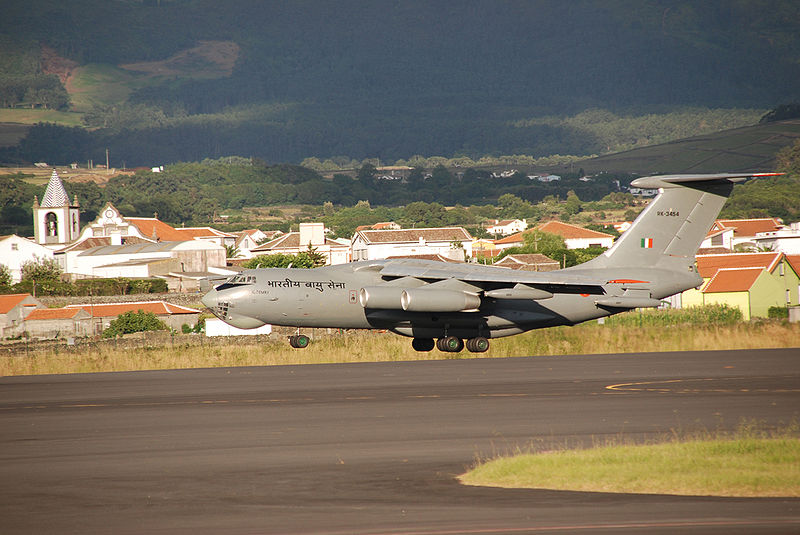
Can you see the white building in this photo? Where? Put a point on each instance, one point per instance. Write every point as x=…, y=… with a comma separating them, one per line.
x=786, y=240
x=506, y=227
x=16, y=250
x=450, y=242
x=310, y=235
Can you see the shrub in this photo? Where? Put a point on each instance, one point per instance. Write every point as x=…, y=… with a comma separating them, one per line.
x=778, y=312
x=134, y=322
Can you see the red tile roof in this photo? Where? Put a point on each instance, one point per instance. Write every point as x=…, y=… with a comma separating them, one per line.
x=749, y=227
x=163, y=232
x=160, y=308
x=733, y=280
x=567, y=231
x=794, y=261
x=53, y=313
x=10, y=301
x=514, y=238
x=708, y=265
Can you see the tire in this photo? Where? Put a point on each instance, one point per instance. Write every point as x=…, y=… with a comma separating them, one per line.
x=422, y=344
x=479, y=344
x=450, y=344
x=301, y=341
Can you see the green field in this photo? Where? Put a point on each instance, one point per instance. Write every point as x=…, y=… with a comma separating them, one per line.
x=747, y=464
x=29, y=116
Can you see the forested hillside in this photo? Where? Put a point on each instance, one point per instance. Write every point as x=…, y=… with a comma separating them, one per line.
x=388, y=80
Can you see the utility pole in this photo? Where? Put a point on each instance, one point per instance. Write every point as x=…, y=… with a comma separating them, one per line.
x=108, y=169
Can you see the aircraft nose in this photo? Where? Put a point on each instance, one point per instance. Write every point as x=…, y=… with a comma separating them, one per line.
x=210, y=299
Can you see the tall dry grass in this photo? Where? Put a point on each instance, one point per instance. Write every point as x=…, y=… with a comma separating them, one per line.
x=589, y=338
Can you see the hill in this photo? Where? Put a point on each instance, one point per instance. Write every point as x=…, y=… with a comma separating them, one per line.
x=284, y=81
x=750, y=148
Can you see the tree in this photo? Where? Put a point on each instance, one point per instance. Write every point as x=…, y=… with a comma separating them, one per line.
x=134, y=322
x=5, y=277
x=231, y=251
x=41, y=270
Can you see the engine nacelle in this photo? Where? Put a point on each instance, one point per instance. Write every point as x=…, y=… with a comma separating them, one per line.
x=421, y=300
x=382, y=297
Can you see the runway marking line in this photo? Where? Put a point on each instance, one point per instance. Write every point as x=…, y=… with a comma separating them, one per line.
x=601, y=527
x=631, y=387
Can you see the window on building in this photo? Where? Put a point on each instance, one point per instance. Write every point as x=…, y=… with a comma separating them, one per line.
x=15, y=247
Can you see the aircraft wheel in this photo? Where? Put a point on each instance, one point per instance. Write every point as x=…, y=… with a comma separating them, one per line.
x=478, y=344
x=299, y=341
x=450, y=344
x=422, y=344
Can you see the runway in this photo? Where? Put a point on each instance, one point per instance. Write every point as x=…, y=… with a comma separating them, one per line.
x=371, y=448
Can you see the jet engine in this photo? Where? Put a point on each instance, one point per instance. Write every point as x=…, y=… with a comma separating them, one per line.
x=421, y=300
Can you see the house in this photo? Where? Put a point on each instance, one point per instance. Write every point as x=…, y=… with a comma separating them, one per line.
x=384, y=225
x=744, y=230
x=16, y=250
x=785, y=240
x=506, y=227
x=515, y=240
x=720, y=239
x=485, y=248
x=310, y=235
x=753, y=282
x=450, y=242
x=103, y=314
x=529, y=262
x=58, y=323
x=577, y=237
x=14, y=308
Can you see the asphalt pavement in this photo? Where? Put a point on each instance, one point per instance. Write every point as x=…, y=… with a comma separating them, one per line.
x=372, y=448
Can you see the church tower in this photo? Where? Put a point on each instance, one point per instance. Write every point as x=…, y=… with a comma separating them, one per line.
x=56, y=222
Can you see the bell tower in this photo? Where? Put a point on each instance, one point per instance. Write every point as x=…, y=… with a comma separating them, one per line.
x=56, y=222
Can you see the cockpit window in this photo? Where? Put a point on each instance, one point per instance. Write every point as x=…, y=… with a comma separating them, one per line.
x=242, y=279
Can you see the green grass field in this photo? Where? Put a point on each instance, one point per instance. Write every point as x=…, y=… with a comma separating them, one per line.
x=27, y=116
x=748, y=463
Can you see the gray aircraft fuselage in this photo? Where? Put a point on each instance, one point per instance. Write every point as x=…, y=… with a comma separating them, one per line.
x=427, y=300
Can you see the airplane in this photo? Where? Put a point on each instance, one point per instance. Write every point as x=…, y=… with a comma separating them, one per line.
x=441, y=304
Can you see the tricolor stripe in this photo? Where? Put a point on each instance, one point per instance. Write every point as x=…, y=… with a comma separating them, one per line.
x=647, y=243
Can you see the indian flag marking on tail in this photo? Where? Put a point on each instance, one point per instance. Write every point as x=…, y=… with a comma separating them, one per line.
x=647, y=243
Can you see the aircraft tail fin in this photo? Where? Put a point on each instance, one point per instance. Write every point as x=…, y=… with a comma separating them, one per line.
x=672, y=227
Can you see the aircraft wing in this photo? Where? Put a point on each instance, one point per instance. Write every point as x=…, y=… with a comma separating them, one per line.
x=432, y=271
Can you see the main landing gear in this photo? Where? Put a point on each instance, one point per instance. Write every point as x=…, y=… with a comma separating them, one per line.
x=451, y=344
x=299, y=341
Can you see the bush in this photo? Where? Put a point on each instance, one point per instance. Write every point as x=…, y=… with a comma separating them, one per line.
x=134, y=322
x=778, y=312
x=704, y=315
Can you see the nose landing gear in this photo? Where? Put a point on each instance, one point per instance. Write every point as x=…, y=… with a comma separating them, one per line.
x=299, y=341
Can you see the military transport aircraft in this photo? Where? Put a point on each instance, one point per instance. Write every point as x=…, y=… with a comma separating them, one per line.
x=450, y=303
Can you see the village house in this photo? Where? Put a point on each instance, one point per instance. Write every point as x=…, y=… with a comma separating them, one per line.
x=450, y=242
x=785, y=240
x=16, y=250
x=574, y=237
x=102, y=314
x=14, y=308
x=506, y=227
x=752, y=282
x=739, y=233
x=58, y=323
x=310, y=235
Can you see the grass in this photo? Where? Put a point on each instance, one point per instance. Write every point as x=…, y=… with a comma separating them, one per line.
x=38, y=115
x=589, y=338
x=747, y=463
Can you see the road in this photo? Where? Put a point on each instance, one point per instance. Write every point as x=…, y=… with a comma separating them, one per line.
x=371, y=448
